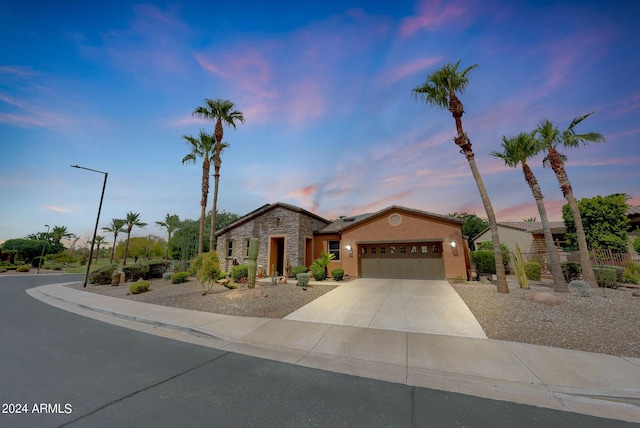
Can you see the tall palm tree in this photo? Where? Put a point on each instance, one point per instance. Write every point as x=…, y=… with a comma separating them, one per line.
x=60, y=232
x=201, y=148
x=171, y=223
x=440, y=90
x=116, y=226
x=132, y=220
x=518, y=150
x=222, y=111
x=99, y=240
x=550, y=138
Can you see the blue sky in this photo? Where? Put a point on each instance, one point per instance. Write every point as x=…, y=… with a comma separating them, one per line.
x=325, y=87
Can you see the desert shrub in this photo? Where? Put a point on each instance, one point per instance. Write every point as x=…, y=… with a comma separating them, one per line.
x=102, y=275
x=605, y=277
x=156, y=268
x=582, y=287
x=631, y=273
x=37, y=261
x=488, y=246
x=533, y=271
x=209, y=271
x=337, y=274
x=167, y=276
x=139, y=286
x=23, y=268
x=571, y=270
x=319, y=273
x=238, y=272
x=222, y=275
x=618, y=270
x=303, y=279
x=135, y=272
x=484, y=261
x=63, y=257
x=195, y=265
x=636, y=244
x=299, y=269
x=179, y=277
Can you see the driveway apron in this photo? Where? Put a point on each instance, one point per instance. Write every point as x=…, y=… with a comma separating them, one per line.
x=418, y=306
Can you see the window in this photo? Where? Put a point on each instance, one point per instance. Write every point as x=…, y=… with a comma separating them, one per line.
x=247, y=244
x=383, y=250
x=373, y=250
x=403, y=250
x=414, y=250
x=425, y=249
x=230, y=249
x=364, y=250
x=334, y=248
x=392, y=250
x=436, y=249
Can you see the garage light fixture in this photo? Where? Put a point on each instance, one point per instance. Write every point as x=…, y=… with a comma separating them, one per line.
x=348, y=247
x=453, y=243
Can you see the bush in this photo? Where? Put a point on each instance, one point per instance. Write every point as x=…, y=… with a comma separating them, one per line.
x=239, y=272
x=484, y=261
x=156, y=268
x=319, y=274
x=582, y=287
x=533, y=271
x=631, y=273
x=209, y=271
x=488, y=246
x=102, y=275
x=299, y=269
x=23, y=268
x=222, y=275
x=337, y=274
x=63, y=257
x=139, y=286
x=179, y=277
x=303, y=279
x=571, y=270
x=605, y=277
x=636, y=244
x=37, y=261
x=167, y=276
x=617, y=269
x=135, y=272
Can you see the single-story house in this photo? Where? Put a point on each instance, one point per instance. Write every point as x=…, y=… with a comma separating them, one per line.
x=529, y=235
x=396, y=242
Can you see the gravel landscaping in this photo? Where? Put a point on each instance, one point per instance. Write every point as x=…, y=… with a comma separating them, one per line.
x=608, y=325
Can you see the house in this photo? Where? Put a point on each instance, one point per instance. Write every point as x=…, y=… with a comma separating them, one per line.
x=528, y=235
x=396, y=242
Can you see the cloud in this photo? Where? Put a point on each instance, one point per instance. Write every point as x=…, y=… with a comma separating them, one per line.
x=627, y=105
x=17, y=71
x=56, y=209
x=432, y=15
x=407, y=69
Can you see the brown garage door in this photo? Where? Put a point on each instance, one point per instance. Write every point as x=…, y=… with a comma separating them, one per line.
x=421, y=260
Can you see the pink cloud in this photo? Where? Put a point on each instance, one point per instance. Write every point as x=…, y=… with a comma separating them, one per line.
x=628, y=104
x=20, y=120
x=408, y=69
x=432, y=14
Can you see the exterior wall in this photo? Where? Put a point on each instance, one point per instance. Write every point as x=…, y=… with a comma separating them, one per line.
x=321, y=243
x=413, y=227
x=510, y=237
x=278, y=222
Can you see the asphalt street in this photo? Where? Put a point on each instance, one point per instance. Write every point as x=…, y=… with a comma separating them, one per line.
x=61, y=369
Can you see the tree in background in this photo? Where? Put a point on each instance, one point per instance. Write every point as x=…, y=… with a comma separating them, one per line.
x=58, y=233
x=223, y=113
x=116, y=226
x=550, y=138
x=25, y=250
x=99, y=240
x=171, y=223
x=201, y=148
x=132, y=220
x=440, y=90
x=141, y=247
x=472, y=226
x=184, y=242
x=604, y=220
x=518, y=150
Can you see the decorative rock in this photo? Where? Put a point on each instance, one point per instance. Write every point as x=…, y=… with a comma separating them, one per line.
x=223, y=281
x=546, y=299
x=636, y=294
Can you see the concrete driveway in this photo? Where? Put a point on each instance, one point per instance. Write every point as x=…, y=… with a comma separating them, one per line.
x=419, y=306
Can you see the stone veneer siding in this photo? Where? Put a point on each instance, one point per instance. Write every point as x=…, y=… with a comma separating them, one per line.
x=278, y=222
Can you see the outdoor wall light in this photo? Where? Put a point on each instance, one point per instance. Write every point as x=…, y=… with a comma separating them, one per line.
x=453, y=243
x=348, y=247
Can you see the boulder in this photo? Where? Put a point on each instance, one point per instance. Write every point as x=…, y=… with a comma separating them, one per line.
x=546, y=299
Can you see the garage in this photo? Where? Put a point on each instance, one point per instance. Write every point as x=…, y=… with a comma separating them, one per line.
x=401, y=260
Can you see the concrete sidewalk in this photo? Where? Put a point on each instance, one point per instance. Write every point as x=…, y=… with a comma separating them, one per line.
x=576, y=381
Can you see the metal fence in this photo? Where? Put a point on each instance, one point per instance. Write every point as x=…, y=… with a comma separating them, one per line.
x=598, y=258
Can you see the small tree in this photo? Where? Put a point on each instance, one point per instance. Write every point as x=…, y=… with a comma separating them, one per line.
x=207, y=267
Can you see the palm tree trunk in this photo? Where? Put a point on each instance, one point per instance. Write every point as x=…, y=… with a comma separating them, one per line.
x=501, y=283
x=557, y=164
x=203, y=202
x=559, y=284
x=214, y=210
x=113, y=250
x=126, y=249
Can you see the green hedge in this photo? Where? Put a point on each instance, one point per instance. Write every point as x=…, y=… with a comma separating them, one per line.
x=102, y=275
x=533, y=271
x=319, y=274
x=299, y=269
x=135, y=272
x=484, y=261
x=571, y=271
x=239, y=272
x=156, y=268
x=605, y=277
x=337, y=274
x=617, y=269
x=179, y=277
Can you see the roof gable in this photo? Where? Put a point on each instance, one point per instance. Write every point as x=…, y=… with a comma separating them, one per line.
x=266, y=209
x=346, y=223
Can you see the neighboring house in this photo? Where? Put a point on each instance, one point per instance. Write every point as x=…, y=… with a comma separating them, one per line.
x=634, y=218
x=395, y=242
x=527, y=234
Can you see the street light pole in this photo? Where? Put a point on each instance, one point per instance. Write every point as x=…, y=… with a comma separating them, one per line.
x=95, y=231
x=44, y=244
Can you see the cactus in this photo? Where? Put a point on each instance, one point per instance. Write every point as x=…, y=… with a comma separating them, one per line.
x=253, y=262
x=521, y=275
